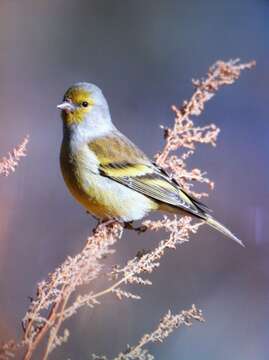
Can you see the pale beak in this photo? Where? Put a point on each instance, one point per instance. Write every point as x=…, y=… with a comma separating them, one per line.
x=66, y=106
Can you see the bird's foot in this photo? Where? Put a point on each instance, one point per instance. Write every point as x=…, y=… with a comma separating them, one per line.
x=139, y=229
x=103, y=223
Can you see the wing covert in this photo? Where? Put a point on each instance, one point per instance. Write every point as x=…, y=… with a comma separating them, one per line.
x=120, y=160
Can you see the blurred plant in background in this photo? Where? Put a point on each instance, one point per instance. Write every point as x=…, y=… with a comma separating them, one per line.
x=9, y=164
x=67, y=289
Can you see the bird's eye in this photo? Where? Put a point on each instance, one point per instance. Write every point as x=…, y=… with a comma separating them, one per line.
x=85, y=104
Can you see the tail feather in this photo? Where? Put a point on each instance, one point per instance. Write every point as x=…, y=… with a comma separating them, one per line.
x=221, y=228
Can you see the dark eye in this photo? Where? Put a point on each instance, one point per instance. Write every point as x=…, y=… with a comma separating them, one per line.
x=85, y=104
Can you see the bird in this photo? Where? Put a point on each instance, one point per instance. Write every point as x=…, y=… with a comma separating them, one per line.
x=108, y=174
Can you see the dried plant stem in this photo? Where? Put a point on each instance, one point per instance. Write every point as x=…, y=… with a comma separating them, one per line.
x=220, y=74
x=57, y=291
x=42, y=333
x=57, y=326
x=166, y=326
x=139, y=264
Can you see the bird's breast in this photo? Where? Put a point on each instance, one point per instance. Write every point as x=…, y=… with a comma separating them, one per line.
x=78, y=166
x=103, y=197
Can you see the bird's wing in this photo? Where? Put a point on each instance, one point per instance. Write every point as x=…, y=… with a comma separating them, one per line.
x=120, y=160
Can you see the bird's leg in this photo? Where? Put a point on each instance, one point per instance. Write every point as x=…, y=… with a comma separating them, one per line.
x=139, y=229
x=103, y=223
x=107, y=222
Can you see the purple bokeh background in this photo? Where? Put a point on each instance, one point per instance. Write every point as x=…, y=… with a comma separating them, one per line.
x=143, y=55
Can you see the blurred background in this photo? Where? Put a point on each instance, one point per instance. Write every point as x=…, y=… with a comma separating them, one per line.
x=143, y=55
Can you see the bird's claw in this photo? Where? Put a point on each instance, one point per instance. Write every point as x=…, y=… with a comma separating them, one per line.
x=139, y=229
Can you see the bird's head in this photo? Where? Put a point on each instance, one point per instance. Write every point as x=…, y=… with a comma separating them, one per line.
x=84, y=103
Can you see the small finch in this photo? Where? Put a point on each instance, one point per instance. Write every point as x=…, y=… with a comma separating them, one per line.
x=108, y=174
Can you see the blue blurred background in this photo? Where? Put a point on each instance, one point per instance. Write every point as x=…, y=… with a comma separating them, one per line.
x=143, y=55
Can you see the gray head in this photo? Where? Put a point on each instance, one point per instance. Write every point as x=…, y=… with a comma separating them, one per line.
x=84, y=105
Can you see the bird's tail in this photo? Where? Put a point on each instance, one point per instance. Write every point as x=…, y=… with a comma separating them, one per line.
x=221, y=228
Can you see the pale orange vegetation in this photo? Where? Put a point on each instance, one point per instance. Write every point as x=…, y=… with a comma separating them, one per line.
x=60, y=296
x=9, y=163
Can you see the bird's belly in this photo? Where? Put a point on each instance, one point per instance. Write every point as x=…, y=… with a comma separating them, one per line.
x=103, y=197
x=108, y=199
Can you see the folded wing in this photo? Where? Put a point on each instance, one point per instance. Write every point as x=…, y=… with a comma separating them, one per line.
x=121, y=161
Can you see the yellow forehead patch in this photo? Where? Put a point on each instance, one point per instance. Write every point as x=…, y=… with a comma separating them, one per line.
x=78, y=96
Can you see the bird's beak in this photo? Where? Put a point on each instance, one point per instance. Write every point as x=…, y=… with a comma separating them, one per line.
x=66, y=106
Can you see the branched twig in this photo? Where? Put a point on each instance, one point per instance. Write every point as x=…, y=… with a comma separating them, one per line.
x=53, y=295
x=185, y=135
x=166, y=326
x=179, y=231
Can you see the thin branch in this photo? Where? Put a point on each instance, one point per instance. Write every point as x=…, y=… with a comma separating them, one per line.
x=167, y=325
x=183, y=134
x=74, y=272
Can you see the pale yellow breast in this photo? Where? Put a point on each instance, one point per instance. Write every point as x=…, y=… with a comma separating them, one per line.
x=101, y=196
